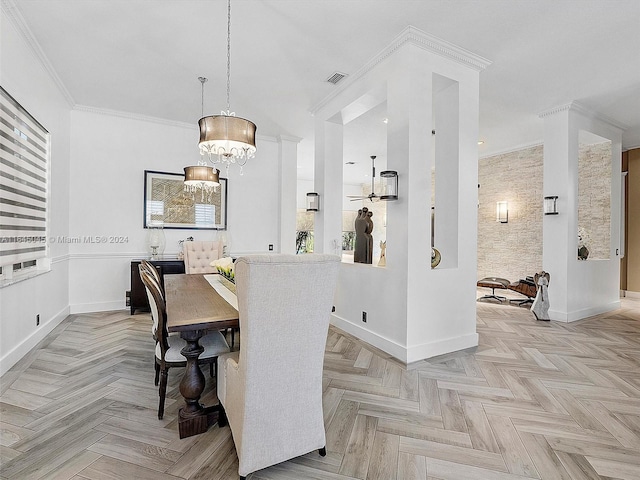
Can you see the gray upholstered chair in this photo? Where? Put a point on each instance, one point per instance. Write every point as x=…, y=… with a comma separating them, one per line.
x=168, y=347
x=199, y=255
x=271, y=390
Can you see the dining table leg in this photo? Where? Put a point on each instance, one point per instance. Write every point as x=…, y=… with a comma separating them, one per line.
x=194, y=418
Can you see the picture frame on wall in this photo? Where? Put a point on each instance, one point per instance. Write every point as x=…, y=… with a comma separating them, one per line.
x=167, y=203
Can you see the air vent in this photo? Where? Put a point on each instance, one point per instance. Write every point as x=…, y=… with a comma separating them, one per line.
x=336, y=77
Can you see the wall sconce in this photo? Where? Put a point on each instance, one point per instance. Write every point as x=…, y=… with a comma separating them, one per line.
x=389, y=185
x=502, y=212
x=313, y=202
x=551, y=205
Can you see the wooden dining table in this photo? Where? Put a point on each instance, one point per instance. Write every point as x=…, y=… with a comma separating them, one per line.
x=194, y=307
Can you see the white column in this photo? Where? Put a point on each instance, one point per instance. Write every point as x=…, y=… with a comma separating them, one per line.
x=328, y=184
x=288, y=164
x=578, y=288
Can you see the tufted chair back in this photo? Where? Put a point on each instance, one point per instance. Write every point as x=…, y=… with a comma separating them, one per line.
x=198, y=256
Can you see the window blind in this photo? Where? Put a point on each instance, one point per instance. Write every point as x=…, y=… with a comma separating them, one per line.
x=24, y=162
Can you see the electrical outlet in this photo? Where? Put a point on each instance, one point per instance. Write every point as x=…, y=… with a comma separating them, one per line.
x=271, y=247
x=37, y=320
x=364, y=317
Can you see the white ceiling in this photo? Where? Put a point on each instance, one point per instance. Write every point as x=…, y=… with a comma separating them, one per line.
x=144, y=57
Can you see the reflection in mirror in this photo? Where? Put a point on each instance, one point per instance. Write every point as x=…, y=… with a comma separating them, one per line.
x=594, y=197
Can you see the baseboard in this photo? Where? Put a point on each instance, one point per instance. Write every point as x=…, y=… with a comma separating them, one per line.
x=389, y=346
x=98, y=307
x=440, y=347
x=14, y=356
x=576, y=315
x=406, y=354
x=630, y=294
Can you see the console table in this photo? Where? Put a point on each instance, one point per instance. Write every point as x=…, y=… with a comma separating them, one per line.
x=165, y=266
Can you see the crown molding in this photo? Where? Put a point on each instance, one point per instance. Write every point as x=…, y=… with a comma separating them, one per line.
x=587, y=112
x=151, y=119
x=12, y=11
x=417, y=37
x=133, y=116
x=288, y=138
x=517, y=148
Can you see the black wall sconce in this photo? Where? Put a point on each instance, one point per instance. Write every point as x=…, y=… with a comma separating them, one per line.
x=389, y=185
x=313, y=202
x=551, y=205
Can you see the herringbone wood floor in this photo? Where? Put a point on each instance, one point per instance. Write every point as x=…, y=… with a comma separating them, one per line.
x=534, y=400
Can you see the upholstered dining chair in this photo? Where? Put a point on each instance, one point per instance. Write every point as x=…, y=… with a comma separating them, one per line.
x=271, y=390
x=198, y=256
x=168, y=347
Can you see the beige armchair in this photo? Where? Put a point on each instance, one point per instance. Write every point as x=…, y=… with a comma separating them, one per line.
x=271, y=390
x=198, y=256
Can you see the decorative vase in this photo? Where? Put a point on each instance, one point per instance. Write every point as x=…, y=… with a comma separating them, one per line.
x=155, y=240
x=583, y=253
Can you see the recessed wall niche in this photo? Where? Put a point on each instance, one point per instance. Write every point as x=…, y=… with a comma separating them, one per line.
x=594, y=195
x=444, y=169
x=364, y=135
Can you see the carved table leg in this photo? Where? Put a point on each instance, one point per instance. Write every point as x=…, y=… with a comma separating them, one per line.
x=193, y=417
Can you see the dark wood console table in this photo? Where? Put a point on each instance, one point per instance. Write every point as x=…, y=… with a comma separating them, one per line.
x=165, y=266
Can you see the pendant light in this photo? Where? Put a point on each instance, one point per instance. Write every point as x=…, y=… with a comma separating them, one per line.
x=226, y=138
x=201, y=176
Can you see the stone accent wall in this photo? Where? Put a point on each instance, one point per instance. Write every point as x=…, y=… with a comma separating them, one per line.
x=594, y=197
x=510, y=250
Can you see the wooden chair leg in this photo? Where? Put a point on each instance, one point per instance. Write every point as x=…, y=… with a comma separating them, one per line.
x=162, y=392
x=157, y=379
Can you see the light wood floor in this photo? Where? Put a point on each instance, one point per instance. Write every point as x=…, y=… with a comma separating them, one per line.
x=534, y=400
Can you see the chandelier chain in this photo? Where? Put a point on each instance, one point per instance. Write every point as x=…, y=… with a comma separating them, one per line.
x=228, y=55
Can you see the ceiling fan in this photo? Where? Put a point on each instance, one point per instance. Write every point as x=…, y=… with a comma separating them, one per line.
x=372, y=196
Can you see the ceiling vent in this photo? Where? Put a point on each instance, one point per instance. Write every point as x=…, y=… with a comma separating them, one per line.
x=336, y=77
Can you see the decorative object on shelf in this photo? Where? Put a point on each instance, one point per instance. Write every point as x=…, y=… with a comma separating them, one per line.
x=540, y=307
x=166, y=200
x=155, y=239
x=435, y=257
x=551, y=205
x=383, y=254
x=502, y=212
x=389, y=185
x=225, y=138
x=180, y=248
x=225, y=268
x=363, y=252
x=201, y=176
x=313, y=202
x=583, y=241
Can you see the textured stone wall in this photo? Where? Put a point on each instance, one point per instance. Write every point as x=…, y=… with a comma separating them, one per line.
x=510, y=250
x=594, y=197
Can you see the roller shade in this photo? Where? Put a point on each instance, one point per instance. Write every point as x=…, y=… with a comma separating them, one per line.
x=24, y=163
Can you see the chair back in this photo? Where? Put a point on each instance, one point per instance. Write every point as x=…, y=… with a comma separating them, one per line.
x=158, y=309
x=151, y=268
x=284, y=304
x=198, y=256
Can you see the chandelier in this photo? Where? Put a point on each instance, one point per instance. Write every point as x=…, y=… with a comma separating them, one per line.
x=225, y=138
x=201, y=176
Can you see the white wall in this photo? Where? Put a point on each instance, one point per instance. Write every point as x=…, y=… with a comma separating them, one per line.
x=413, y=312
x=108, y=158
x=23, y=75
x=578, y=289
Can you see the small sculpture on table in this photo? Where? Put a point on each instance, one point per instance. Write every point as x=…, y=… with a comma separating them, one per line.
x=363, y=252
x=540, y=307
